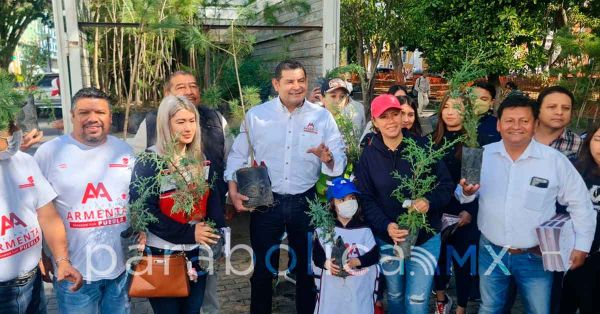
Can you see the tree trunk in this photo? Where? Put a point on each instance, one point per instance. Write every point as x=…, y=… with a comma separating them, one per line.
x=398, y=65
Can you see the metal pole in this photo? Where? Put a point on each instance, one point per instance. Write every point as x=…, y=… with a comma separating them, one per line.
x=68, y=55
x=63, y=63
x=331, y=35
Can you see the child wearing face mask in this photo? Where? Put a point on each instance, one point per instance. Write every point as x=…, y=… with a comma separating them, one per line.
x=355, y=293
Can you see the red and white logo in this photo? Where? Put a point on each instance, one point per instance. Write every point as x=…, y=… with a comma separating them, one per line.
x=29, y=183
x=124, y=163
x=95, y=192
x=62, y=166
x=310, y=128
x=9, y=222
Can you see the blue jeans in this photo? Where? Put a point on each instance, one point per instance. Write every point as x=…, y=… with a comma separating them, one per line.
x=188, y=305
x=26, y=298
x=533, y=283
x=107, y=296
x=409, y=281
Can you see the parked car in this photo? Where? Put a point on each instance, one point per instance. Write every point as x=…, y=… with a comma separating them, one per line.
x=48, y=99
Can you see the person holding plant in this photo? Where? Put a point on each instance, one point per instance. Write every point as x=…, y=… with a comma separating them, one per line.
x=179, y=158
x=581, y=287
x=463, y=241
x=521, y=182
x=296, y=140
x=407, y=282
x=350, y=288
x=216, y=141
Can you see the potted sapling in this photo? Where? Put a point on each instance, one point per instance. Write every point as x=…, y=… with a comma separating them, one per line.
x=186, y=201
x=252, y=181
x=323, y=220
x=472, y=153
x=417, y=185
x=181, y=185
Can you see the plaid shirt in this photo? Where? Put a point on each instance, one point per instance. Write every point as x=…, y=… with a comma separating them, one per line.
x=568, y=143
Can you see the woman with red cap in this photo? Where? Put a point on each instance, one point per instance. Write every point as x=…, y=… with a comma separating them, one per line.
x=408, y=282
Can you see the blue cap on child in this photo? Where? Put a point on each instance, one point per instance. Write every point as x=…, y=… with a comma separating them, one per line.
x=340, y=187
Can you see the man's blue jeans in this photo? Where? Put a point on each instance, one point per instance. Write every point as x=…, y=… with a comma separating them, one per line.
x=20, y=299
x=102, y=296
x=496, y=269
x=409, y=281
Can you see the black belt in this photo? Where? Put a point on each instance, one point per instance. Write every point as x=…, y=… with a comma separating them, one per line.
x=309, y=192
x=21, y=280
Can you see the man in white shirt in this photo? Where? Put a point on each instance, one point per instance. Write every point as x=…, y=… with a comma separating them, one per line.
x=296, y=140
x=90, y=172
x=27, y=213
x=521, y=181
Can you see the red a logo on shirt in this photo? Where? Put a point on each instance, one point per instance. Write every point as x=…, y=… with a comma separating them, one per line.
x=10, y=222
x=95, y=192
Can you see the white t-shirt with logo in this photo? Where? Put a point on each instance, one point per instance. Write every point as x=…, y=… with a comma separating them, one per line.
x=92, y=184
x=23, y=190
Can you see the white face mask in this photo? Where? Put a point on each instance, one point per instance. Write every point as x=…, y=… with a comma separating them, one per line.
x=347, y=209
x=14, y=143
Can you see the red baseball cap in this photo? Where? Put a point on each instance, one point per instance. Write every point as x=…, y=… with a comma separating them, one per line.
x=382, y=103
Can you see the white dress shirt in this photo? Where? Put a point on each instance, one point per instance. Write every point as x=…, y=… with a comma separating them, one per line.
x=281, y=139
x=517, y=196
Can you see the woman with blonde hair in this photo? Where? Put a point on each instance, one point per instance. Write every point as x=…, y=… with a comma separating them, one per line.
x=178, y=148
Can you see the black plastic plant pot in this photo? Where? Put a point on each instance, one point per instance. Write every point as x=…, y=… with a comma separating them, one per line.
x=254, y=182
x=338, y=251
x=129, y=243
x=471, y=164
x=216, y=250
x=403, y=249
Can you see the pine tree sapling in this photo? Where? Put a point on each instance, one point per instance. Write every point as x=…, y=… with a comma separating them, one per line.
x=180, y=183
x=417, y=185
x=471, y=69
x=353, y=150
x=349, y=134
x=10, y=102
x=323, y=220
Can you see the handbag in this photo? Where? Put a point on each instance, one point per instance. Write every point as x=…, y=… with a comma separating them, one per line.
x=160, y=276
